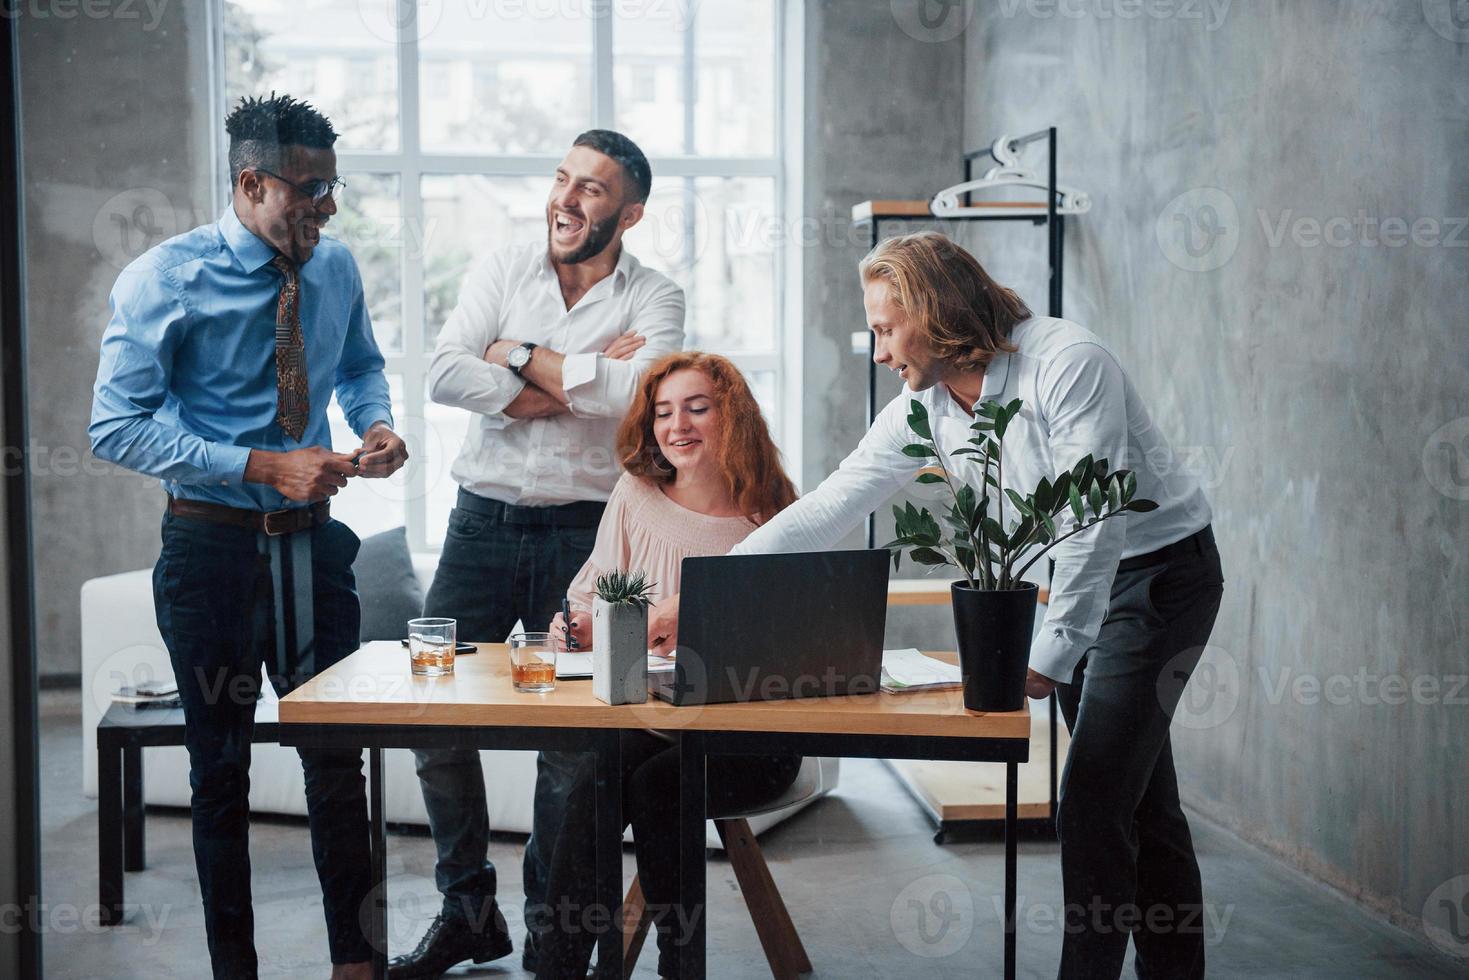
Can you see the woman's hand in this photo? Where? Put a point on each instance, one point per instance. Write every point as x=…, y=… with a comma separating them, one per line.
x=663, y=626
x=581, y=631
x=1038, y=685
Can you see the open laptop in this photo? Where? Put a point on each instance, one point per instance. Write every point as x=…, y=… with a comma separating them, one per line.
x=769, y=627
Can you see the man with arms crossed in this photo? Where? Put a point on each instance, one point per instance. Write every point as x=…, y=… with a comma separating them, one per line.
x=1131, y=598
x=546, y=348
x=225, y=346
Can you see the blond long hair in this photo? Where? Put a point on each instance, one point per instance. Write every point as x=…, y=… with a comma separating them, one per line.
x=963, y=313
x=749, y=463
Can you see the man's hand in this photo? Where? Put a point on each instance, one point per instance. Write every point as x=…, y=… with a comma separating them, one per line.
x=382, y=454
x=1038, y=685
x=581, y=631
x=624, y=346
x=533, y=403
x=308, y=474
x=663, y=626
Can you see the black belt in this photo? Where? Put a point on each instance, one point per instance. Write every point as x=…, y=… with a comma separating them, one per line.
x=582, y=513
x=1198, y=543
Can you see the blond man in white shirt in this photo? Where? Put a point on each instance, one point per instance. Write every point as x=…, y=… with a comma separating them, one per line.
x=1132, y=600
x=546, y=349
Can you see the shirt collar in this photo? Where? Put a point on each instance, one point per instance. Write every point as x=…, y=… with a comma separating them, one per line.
x=620, y=272
x=996, y=372
x=250, y=250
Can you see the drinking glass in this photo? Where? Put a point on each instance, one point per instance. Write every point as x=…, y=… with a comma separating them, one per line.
x=532, y=663
x=431, y=646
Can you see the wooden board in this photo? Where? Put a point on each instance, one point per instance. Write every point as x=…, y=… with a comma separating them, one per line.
x=928, y=592
x=868, y=210
x=374, y=687
x=956, y=791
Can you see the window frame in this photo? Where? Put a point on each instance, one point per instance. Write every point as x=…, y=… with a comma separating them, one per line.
x=410, y=163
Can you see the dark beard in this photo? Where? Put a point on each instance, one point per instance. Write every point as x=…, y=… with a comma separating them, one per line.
x=599, y=236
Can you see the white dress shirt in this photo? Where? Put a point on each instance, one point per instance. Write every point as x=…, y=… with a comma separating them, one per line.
x=1076, y=400
x=514, y=294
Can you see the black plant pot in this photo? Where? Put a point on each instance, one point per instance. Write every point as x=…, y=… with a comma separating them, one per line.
x=994, y=630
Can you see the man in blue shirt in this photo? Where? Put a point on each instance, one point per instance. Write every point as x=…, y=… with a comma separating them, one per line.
x=225, y=346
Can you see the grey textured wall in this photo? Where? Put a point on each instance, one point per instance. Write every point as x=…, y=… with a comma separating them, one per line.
x=116, y=134
x=1278, y=253
x=883, y=111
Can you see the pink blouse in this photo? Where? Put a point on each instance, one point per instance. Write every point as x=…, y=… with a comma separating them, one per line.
x=643, y=531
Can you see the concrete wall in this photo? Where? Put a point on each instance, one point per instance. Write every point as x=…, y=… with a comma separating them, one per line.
x=1257, y=171
x=883, y=103
x=117, y=140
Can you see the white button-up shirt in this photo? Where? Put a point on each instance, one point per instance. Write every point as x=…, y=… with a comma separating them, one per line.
x=514, y=294
x=1076, y=400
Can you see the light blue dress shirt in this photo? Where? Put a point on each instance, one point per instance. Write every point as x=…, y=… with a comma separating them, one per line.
x=186, y=386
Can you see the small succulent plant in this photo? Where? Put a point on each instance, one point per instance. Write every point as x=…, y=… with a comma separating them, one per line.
x=625, y=588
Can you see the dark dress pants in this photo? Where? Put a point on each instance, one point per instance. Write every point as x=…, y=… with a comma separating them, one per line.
x=499, y=565
x=213, y=598
x=1127, y=859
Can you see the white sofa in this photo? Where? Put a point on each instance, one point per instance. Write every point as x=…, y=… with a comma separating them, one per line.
x=121, y=646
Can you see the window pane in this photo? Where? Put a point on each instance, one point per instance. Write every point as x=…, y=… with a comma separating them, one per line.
x=370, y=222
x=370, y=506
x=466, y=218
x=715, y=237
x=326, y=52
x=762, y=384
x=732, y=76
x=505, y=78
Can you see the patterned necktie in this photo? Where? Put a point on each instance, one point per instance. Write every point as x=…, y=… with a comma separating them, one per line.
x=292, y=400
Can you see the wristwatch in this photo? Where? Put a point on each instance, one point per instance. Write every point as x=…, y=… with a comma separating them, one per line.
x=519, y=357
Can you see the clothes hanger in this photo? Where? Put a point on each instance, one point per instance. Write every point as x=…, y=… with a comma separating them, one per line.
x=1007, y=173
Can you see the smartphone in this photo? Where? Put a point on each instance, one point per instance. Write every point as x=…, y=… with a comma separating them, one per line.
x=459, y=648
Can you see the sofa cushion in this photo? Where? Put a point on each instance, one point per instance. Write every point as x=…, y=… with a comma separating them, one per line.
x=389, y=590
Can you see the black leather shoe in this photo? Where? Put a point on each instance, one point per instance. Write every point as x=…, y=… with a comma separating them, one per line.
x=530, y=954
x=448, y=942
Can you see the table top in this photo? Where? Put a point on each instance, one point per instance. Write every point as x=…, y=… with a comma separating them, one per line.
x=375, y=687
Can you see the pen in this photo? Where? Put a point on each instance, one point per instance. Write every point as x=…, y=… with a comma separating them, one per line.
x=566, y=616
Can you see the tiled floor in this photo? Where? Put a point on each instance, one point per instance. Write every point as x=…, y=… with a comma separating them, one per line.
x=871, y=894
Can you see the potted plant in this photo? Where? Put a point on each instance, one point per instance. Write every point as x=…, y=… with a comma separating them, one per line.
x=994, y=608
x=620, y=638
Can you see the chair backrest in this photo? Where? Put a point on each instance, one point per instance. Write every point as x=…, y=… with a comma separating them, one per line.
x=811, y=781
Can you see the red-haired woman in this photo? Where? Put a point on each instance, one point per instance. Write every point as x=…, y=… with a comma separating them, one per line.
x=701, y=474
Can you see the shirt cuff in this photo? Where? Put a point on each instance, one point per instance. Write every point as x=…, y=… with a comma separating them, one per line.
x=578, y=370
x=1055, y=654
x=228, y=469
x=373, y=415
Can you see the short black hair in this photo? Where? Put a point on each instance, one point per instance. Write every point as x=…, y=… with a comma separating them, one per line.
x=258, y=128
x=627, y=154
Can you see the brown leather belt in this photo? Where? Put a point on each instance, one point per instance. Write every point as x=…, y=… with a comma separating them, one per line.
x=273, y=523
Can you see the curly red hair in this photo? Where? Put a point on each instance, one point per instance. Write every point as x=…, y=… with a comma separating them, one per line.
x=749, y=463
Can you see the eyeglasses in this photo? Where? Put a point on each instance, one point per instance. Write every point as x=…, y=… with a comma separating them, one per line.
x=317, y=190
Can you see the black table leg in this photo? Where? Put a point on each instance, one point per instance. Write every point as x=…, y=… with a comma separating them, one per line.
x=691, y=869
x=133, y=856
x=378, y=849
x=1011, y=792
x=109, y=830
x=609, y=850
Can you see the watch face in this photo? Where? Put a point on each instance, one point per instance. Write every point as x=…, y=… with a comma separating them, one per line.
x=519, y=357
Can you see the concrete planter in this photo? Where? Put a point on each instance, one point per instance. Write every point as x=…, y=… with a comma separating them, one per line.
x=619, y=652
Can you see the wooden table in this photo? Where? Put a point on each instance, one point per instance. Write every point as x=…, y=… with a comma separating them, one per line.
x=370, y=700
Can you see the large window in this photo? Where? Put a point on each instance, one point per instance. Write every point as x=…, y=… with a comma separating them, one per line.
x=453, y=115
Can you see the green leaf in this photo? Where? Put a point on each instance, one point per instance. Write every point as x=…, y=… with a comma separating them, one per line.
x=1022, y=531
x=1114, y=494
x=918, y=419
x=1099, y=469
x=992, y=529
x=982, y=425
x=1141, y=506
x=1021, y=504
x=988, y=409
x=930, y=478
x=928, y=556
x=1050, y=525
x=1013, y=409
x=918, y=451
x=965, y=499
x=1043, y=495
x=1094, y=497
x=966, y=559
x=1129, y=486
x=1081, y=473
x=1077, y=507
x=965, y=451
